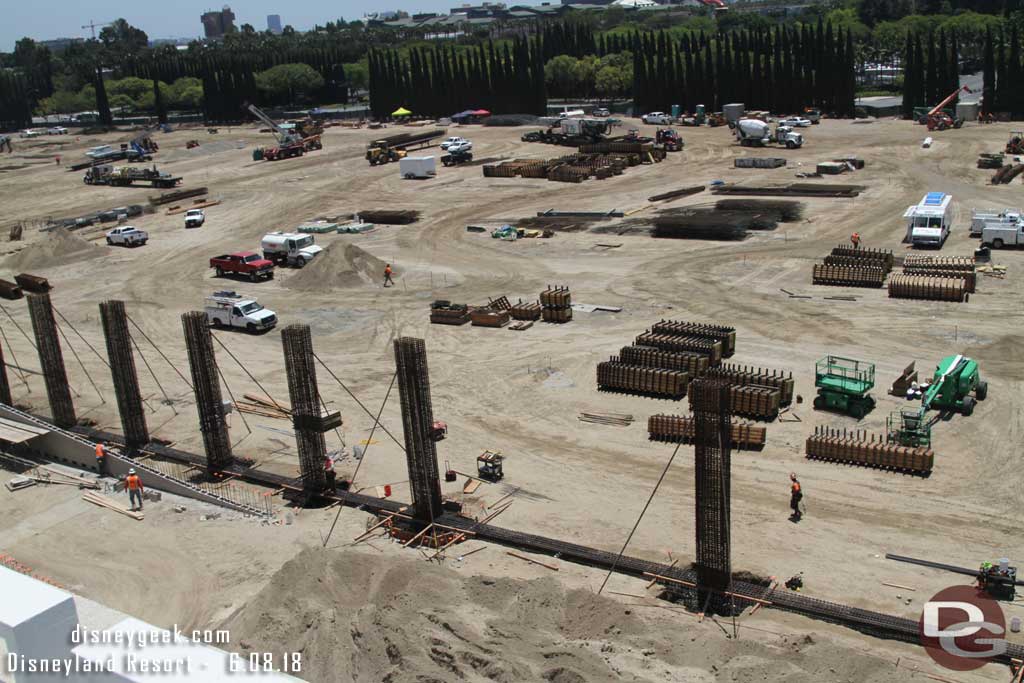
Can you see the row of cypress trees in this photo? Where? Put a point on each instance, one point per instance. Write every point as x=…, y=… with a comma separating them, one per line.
x=931, y=70
x=783, y=69
x=1003, y=74
x=15, y=100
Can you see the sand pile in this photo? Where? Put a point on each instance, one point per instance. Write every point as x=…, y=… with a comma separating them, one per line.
x=340, y=265
x=361, y=617
x=57, y=248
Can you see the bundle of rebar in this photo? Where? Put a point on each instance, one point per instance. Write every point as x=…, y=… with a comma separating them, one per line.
x=648, y=356
x=389, y=216
x=418, y=422
x=489, y=317
x=446, y=313
x=741, y=375
x=709, y=347
x=682, y=328
x=676, y=194
x=847, y=276
x=300, y=369
x=935, y=288
x=177, y=195
x=614, y=375
x=793, y=190
x=33, y=283
x=834, y=445
x=525, y=310
x=122, y=369
x=10, y=290
x=51, y=359
x=206, y=386
x=712, y=471
x=881, y=258
x=753, y=401
x=556, y=305
x=678, y=429
x=956, y=264
x=611, y=419
x=788, y=211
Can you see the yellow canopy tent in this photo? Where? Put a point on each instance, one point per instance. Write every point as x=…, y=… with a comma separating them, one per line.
x=401, y=111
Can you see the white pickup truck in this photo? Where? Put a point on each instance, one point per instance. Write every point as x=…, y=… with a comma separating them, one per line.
x=127, y=236
x=231, y=309
x=194, y=218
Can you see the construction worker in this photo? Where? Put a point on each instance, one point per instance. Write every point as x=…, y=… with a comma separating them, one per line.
x=387, y=275
x=133, y=485
x=57, y=159
x=101, y=458
x=329, y=473
x=855, y=239
x=795, y=496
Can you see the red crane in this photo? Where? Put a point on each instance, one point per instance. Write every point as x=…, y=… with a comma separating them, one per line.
x=940, y=120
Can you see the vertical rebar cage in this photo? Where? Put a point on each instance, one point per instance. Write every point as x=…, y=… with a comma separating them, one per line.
x=206, y=384
x=122, y=370
x=51, y=360
x=300, y=368
x=418, y=423
x=5, y=386
x=712, y=482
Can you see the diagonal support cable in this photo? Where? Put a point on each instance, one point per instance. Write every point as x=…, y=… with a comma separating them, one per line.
x=153, y=344
x=365, y=410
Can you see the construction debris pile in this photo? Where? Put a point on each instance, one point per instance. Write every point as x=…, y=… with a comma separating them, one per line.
x=853, y=267
x=726, y=220
x=88, y=219
x=792, y=190
x=555, y=306
x=857, y=448
x=938, y=278
x=574, y=168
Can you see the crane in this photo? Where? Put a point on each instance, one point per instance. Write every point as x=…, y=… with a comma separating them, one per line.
x=955, y=378
x=938, y=119
x=284, y=137
x=92, y=25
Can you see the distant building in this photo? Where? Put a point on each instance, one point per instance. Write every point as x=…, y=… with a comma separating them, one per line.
x=60, y=44
x=216, y=24
x=274, y=24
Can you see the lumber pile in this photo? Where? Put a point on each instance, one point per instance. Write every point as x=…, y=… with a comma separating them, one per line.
x=832, y=445
x=676, y=194
x=934, y=288
x=104, y=502
x=264, y=407
x=612, y=419
x=613, y=375
x=677, y=429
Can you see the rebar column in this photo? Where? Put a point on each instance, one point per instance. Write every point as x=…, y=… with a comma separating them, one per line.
x=712, y=439
x=51, y=360
x=5, y=386
x=122, y=369
x=418, y=423
x=300, y=367
x=206, y=384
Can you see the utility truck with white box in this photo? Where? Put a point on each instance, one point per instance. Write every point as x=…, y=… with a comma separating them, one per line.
x=417, y=167
x=231, y=309
x=928, y=221
x=992, y=224
x=757, y=133
x=289, y=248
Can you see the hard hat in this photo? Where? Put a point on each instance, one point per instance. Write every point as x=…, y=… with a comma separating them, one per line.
x=131, y=471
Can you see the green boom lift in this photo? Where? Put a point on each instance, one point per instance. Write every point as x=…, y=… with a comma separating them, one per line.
x=954, y=380
x=844, y=385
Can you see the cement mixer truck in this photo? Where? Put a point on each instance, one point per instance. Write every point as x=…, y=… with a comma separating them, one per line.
x=757, y=133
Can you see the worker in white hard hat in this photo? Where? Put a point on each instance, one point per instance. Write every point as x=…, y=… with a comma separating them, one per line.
x=133, y=485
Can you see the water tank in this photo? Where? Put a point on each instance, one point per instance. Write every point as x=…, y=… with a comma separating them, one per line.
x=733, y=112
x=967, y=111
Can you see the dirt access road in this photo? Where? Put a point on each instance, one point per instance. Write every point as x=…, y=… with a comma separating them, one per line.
x=521, y=393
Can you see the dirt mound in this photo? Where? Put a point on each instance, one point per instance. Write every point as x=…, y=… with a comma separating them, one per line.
x=58, y=248
x=340, y=265
x=361, y=617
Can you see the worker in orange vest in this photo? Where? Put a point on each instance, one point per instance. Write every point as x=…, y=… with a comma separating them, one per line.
x=101, y=458
x=387, y=275
x=796, y=495
x=855, y=239
x=329, y=473
x=133, y=485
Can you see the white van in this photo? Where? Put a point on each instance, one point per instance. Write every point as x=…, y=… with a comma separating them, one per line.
x=929, y=220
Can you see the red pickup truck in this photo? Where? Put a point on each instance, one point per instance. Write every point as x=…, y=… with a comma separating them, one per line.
x=247, y=263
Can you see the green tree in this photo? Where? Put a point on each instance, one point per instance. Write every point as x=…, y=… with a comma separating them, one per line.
x=289, y=81
x=185, y=93
x=358, y=75
x=123, y=38
x=560, y=73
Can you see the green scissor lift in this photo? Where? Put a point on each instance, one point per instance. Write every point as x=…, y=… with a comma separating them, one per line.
x=844, y=385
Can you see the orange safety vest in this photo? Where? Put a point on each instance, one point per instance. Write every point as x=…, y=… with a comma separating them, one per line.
x=134, y=482
x=796, y=487
x=387, y=270
x=100, y=451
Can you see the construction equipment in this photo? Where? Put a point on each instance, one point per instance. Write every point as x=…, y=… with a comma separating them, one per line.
x=757, y=133
x=998, y=579
x=668, y=139
x=571, y=132
x=929, y=220
x=1015, y=145
x=439, y=431
x=457, y=157
x=954, y=380
x=489, y=466
x=844, y=385
x=291, y=142
x=938, y=119
x=123, y=176
x=5, y=141
x=395, y=147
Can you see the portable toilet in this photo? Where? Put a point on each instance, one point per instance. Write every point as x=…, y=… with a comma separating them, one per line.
x=677, y=109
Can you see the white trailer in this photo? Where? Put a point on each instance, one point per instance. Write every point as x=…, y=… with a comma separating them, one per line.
x=982, y=217
x=417, y=167
x=289, y=248
x=231, y=309
x=928, y=221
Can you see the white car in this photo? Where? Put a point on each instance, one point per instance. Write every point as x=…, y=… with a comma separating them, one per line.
x=194, y=218
x=128, y=236
x=455, y=140
x=601, y=111
x=658, y=118
x=796, y=122
x=30, y=133
x=57, y=130
x=460, y=147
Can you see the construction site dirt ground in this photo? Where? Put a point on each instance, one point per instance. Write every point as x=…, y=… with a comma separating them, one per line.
x=376, y=611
